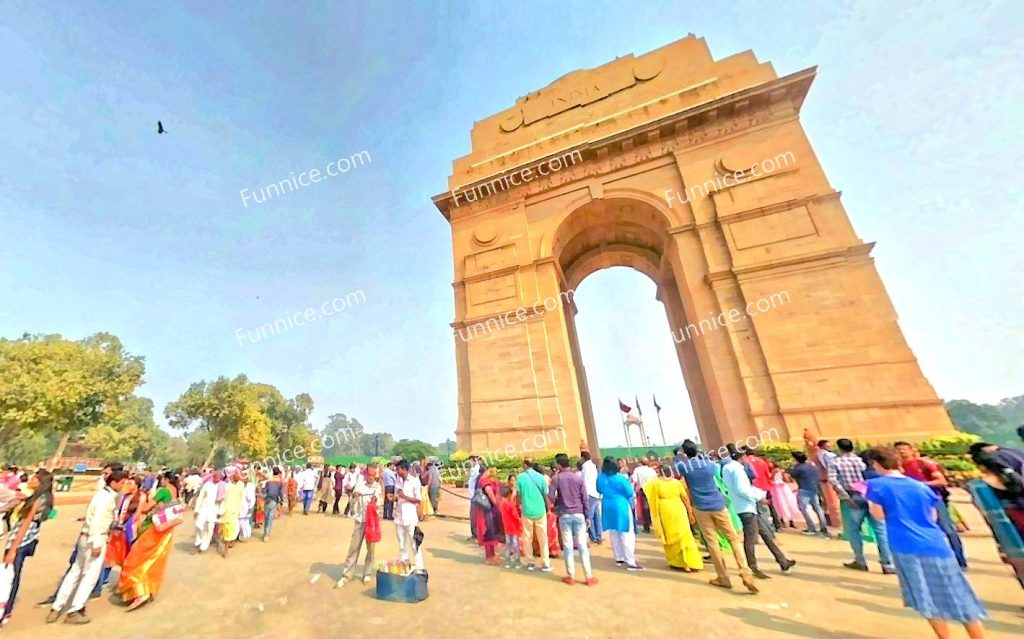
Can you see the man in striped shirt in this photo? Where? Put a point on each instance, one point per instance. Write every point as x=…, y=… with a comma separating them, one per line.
x=846, y=475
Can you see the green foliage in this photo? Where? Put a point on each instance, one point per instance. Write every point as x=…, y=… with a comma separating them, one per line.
x=129, y=436
x=446, y=446
x=955, y=464
x=413, y=449
x=992, y=423
x=26, y=447
x=249, y=418
x=778, y=452
x=458, y=457
x=349, y=438
x=50, y=384
x=956, y=444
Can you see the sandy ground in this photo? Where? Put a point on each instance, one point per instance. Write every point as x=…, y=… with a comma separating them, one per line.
x=284, y=588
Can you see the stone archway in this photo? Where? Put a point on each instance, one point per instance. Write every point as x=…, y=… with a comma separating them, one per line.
x=697, y=173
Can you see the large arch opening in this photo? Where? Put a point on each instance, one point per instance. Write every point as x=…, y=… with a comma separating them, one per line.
x=624, y=232
x=625, y=347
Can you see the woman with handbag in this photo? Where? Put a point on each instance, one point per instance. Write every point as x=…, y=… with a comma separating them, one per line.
x=23, y=538
x=143, y=570
x=489, y=532
x=367, y=495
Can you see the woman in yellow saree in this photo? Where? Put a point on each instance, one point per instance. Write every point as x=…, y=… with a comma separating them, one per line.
x=666, y=498
x=142, y=573
x=234, y=496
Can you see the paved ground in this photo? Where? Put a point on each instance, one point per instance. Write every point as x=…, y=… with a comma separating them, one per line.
x=267, y=590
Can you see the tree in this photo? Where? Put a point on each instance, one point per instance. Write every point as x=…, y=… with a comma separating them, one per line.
x=993, y=423
x=447, y=447
x=345, y=436
x=376, y=444
x=129, y=436
x=289, y=418
x=27, y=447
x=413, y=449
x=231, y=411
x=199, y=447
x=50, y=384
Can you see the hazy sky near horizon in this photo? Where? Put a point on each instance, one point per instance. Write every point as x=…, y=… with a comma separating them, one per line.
x=105, y=226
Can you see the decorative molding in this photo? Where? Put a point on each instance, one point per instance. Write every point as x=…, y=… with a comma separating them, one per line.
x=756, y=98
x=840, y=255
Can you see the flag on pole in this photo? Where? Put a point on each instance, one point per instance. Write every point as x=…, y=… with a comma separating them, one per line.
x=625, y=408
x=638, y=411
x=656, y=407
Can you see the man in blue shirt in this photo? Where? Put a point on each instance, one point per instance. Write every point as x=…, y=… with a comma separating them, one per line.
x=390, y=476
x=709, y=510
x=745, y=497
x=807, y=478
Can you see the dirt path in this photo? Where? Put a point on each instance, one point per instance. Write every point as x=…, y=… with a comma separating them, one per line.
x=285, y=589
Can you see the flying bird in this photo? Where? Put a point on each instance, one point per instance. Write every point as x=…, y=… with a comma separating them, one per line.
x=160, y=127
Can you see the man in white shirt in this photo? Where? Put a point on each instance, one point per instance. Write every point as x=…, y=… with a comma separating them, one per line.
x=352, y=479
x=589, y=470
x=307, y=484
x=78, y=582
x=408, y=493
x=206, y=512
x=642, y=474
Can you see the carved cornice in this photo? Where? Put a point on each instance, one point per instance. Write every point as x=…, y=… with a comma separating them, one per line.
x=832, y=257
x=777, y=207
x=689, y=127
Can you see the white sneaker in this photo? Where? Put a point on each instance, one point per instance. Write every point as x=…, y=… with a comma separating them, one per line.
x=341, y=582
x=366, y=579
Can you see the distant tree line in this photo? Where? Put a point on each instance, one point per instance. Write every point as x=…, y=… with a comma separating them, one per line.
x=54, y=391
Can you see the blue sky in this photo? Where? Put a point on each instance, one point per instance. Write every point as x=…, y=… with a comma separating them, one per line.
x=104, y=225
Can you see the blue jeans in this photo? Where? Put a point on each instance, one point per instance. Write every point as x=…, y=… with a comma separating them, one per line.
x=574, y=532
x=948, y=527
x=594, y=517
x=97, y=590
x=858, y=513
x=307, y=500
x=512, y=549
x=20, y=555
x=269, y=510
x=808, y=499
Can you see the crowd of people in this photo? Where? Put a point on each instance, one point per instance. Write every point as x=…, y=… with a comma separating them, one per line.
x=702, y=508
x=130, y=520
x=699, y=507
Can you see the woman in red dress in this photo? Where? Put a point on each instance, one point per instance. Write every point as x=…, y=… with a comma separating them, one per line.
x=488, y=520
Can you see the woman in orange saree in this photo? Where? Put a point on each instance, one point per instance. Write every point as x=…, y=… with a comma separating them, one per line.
x=143, y=570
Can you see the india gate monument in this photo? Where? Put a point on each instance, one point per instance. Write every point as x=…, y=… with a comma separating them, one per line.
x=697, y=173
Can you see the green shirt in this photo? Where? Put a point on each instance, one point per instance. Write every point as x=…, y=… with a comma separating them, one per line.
x=529, y=485
x=162, y=496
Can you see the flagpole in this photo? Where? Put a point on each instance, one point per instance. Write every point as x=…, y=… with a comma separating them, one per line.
x=625, y=429
x=644, y=440
x=657, y=409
